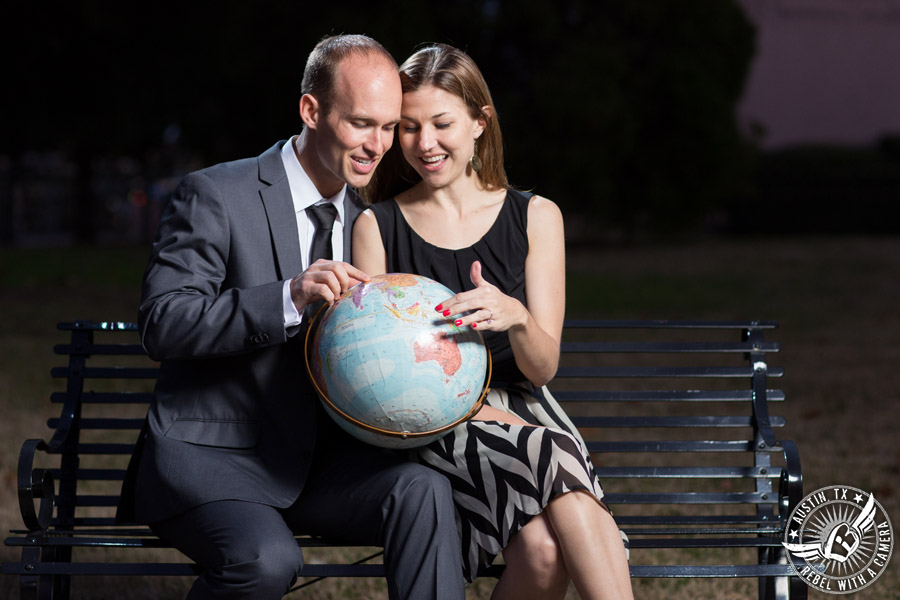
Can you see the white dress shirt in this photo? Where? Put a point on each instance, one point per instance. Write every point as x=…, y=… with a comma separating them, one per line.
x=304, y=194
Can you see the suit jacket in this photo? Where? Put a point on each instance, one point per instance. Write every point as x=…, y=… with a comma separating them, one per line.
x=233, y=414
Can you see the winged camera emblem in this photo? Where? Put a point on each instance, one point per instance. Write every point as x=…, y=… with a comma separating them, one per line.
x=841, y=542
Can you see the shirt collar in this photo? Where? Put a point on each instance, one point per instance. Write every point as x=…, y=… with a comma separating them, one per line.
x=303, y=191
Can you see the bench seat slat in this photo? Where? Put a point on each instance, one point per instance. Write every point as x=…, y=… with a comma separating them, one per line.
x=710, y=571
x=92, y=522
x=643, y=523
x=120, y=569
x=82, y=325
x=176, y=569
x=85, y=500
x=150, y=541
x=377, y=570
x=142, y=539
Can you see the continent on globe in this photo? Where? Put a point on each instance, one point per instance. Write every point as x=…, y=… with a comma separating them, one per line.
x=388, y=284
x=441, y=349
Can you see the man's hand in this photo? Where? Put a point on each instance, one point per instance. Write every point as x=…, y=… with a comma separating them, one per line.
x=324, y=280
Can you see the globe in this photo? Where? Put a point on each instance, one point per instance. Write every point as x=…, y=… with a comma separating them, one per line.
x=392, y=371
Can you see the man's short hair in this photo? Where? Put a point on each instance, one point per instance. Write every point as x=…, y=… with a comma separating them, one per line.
x=318, y=76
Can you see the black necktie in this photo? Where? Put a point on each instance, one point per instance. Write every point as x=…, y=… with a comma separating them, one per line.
x=323, y=216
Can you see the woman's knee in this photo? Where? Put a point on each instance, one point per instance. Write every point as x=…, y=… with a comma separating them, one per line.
x=546, y=558
x=536, y=548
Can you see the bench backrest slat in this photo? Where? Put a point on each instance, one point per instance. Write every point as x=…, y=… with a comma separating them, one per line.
x=660, y=372
x=714, y=421
x=662, y=395
x=92, y=397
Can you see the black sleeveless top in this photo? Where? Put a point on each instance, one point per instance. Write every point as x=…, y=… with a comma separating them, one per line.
x=502, y=253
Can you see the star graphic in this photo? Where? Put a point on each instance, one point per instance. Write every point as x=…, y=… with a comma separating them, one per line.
x=858, y=499
x=793, y=533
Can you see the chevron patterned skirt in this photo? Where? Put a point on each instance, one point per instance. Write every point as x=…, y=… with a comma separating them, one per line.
x=503, y=475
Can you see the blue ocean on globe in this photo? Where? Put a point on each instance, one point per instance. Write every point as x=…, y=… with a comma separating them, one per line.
x=400, y=372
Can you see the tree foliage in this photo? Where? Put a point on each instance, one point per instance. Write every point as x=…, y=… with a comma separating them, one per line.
x=623, y=112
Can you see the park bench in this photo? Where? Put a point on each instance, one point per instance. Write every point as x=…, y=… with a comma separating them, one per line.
x=676, y=415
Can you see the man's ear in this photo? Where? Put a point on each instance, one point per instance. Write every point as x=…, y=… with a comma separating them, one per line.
x=309, y=110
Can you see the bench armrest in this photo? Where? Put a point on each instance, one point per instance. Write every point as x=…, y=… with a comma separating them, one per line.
x=790, y=488
x=34, y=484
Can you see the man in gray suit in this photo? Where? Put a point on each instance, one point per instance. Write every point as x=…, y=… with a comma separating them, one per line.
x=236, y=456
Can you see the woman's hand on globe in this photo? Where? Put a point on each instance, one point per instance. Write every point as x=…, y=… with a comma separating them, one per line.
x=485, y=308
x=324, y=280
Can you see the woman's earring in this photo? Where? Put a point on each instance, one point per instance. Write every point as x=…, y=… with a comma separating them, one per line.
x=475, y=161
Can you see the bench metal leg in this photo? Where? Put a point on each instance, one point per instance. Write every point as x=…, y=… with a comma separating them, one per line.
x=44, y=587
x=779, y=588
x=799, y=590
x=29, y=585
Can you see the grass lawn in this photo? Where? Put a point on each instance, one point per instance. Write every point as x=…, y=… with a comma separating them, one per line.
x=835, y=299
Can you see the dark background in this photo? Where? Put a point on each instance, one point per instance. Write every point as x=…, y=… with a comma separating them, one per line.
x=622, y=112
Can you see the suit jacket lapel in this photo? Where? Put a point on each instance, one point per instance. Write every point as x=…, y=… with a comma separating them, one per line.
x=276, y=197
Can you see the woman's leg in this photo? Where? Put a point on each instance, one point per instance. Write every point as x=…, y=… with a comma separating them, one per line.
x=534, y=565
x=591, y=547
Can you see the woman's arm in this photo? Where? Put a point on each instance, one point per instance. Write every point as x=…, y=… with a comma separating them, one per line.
x=536, y=336
x=368, y=252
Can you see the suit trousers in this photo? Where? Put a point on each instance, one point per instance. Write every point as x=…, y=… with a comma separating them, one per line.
x=354, y=493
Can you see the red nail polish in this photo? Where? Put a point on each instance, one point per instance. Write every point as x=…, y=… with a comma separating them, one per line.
x=457, y=322
x=439, y=307
x=446, y=313
x=474, y=325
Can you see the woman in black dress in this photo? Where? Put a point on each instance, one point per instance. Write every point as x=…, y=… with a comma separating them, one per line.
x=522, y=478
